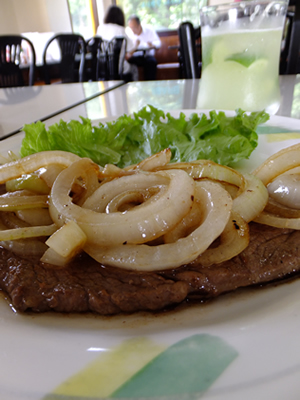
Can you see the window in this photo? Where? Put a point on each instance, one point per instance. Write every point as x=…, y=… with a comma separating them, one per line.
x=83, y=16
x=163, y=14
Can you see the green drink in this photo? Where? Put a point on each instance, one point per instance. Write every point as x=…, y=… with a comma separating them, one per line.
x=240, y=56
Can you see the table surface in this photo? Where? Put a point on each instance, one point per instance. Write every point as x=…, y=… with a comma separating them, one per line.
x=168, y=95
x=22, y=105
x=108, y=100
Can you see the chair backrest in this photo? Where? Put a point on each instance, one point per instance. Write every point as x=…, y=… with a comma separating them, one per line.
x=188, y=53
x=14, y=61
x=116, y=50
x=107, y=58
x=71, y=46
x=293, y=56
x=97, y=47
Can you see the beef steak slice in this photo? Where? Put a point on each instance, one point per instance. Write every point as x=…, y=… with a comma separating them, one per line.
x=86, y=285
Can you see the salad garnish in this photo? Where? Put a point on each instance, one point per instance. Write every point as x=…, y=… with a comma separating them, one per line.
x=132, y=138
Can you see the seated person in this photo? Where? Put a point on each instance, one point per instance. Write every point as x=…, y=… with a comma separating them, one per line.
x=114, y=25
x=144, y=37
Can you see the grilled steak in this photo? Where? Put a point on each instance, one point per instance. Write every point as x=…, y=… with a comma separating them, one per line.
x=86, y=285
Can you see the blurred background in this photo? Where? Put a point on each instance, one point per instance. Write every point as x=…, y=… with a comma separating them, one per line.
x=83, y=16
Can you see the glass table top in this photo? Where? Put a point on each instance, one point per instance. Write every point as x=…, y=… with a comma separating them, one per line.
x=22, y=105
x=168, y=95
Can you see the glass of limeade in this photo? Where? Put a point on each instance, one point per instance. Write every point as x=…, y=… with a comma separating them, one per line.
x=241, y=44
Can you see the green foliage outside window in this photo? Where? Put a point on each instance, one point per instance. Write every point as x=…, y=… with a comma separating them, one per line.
x=163, y=14
x=81, y=18
x=160, y=14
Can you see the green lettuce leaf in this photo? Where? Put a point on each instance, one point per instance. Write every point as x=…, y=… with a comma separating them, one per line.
x=131, y=138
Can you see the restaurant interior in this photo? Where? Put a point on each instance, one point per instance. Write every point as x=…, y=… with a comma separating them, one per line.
x=41, y=62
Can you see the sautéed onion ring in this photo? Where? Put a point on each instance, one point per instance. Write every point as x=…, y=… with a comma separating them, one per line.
x=139, y=225
x=217, y=205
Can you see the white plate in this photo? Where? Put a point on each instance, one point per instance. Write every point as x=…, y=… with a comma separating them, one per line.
x=244, y=345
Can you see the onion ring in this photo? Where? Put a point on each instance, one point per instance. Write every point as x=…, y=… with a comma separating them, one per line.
x=11, y=201
x=156, y=161
x=234, y=239
x=252, y=196
x=135, y=226
x=109, y=190
x=280, y=210
x=251, y=201
x=33, y=162
x=277, y=221
x=202, y=169
x=12, y=221
x=280, y=162
x=285, y=189
x=187, y=225
x=27, y=232
x=286, y=160
x=126, y=200
x=25, y=247
x=35, y=217
x=171, y=255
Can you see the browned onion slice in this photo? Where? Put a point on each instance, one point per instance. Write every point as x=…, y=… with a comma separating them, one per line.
x=273, y=207
x=34, y=162
x=138, y=225
x=216, y=204
x=279, y=163
x=233, y=240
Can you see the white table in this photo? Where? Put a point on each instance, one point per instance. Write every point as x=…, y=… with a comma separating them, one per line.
x=167, y=95
x=22, y=105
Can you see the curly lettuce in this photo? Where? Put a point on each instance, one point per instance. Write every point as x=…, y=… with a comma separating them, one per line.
x=131, y=138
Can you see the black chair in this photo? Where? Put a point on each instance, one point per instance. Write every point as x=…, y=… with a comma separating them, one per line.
x=72, y=62
x=293, y=41
x=12, y=70
x=116, y=50
x=97, y=70
x=190, y=60
x=108, y=59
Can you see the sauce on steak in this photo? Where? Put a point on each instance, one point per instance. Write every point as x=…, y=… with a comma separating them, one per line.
x=85, y=285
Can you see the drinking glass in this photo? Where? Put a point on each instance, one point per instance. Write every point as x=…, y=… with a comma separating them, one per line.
x=241, y=44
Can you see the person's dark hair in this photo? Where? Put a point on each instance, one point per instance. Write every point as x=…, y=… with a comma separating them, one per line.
x=114, y=15
x=134, y=18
